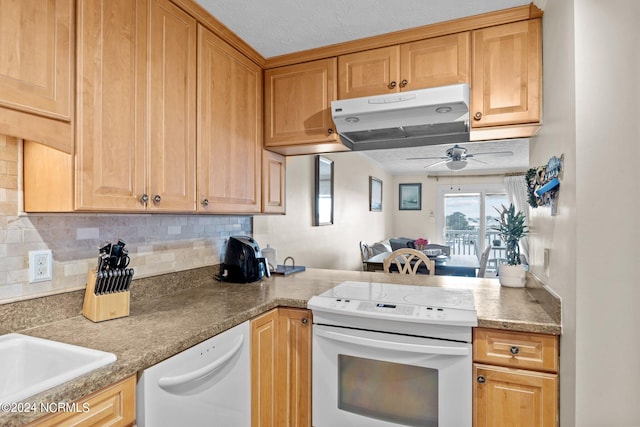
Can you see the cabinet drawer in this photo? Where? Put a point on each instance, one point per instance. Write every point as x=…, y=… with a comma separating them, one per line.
x=113, y=406
x=516, y=349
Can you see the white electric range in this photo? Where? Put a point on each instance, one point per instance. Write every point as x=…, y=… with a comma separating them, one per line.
x=392, y=355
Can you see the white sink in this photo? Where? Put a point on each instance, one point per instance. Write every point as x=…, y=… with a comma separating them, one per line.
x=31, y=365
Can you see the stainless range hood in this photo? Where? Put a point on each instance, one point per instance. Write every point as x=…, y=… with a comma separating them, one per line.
x=438, y=115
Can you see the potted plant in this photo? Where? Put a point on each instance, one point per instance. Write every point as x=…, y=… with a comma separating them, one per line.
x=511, y=228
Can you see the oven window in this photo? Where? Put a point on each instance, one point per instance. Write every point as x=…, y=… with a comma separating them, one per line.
x=393, y=392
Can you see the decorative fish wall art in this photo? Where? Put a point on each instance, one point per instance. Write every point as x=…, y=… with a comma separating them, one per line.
x=543, y=184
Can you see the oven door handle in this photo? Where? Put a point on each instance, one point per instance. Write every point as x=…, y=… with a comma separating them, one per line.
x=393, y=345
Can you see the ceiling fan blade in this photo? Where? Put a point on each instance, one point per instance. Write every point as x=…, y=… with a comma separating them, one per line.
x=436, y=163
x=492, y=153
x=427, y=158
x=476, y=160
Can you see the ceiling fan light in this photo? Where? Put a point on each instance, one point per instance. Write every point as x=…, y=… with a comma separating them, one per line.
x=457, y=165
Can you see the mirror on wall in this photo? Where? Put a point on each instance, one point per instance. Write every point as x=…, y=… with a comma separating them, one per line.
x=324, y=191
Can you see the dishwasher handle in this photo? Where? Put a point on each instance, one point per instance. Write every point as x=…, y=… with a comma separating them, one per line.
x=178, y=380
x=393, y=345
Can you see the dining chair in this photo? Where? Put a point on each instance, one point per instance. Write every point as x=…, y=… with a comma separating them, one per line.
x=408, y=261
x=445, y=249
x=365, y=254
x=483, y=262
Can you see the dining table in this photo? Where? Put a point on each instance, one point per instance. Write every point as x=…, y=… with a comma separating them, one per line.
x=446, y=265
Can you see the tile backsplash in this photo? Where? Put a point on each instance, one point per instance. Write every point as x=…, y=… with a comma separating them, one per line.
x=157, y=244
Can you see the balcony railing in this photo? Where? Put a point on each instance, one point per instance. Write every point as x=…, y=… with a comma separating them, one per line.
x=466, y=242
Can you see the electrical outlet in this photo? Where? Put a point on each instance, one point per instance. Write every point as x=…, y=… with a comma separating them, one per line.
x=40, y=266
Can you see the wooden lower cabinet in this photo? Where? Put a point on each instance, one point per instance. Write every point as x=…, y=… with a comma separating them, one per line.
x=281, y=368
x=113, y=406
x=506, y=397
x=515, y=379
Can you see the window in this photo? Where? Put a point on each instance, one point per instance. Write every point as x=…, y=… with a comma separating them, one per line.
x=466, y=215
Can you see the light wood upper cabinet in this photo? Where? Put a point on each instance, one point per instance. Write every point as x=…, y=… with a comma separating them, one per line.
x=281, y=368
x=298, y=108
x=372, y=72
x=171, y=156
x=36, y=71
x=136, y=106
x=111, y=104
x=506, y=84
x=229, y=128
x=438, y=61
x=36, y=47
x=273, y=182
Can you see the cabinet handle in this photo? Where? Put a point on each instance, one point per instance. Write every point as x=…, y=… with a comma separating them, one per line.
x=392, y=85
x=403, y=83
x=157, y=198
x=481, y=379
x=329, y=131
x=514, y=350
x=144, y=199
x=205, y=202
x=477, y=116
x=304, y=320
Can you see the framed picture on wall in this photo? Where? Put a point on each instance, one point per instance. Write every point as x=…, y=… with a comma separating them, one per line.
x=375, y=194
x=410, y=197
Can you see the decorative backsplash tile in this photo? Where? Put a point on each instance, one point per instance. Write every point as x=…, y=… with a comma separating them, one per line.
x=157, y=244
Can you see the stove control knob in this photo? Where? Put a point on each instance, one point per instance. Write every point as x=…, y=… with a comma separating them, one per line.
x=481, y=379
x=514, y=350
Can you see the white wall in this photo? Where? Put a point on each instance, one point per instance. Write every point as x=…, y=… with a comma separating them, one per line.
x=423, y=223
x=607, y=154
x=591, y=88
x=330, y=246
x=558, y=233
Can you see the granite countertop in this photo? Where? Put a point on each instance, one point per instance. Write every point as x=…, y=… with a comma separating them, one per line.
x=169, y=315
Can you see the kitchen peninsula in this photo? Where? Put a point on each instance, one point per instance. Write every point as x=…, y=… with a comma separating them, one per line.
x=173, y=312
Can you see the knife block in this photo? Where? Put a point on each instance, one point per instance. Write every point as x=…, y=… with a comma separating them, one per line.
x=99, y=308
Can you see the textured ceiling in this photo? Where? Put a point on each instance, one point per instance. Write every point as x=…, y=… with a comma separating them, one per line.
x=278, y=27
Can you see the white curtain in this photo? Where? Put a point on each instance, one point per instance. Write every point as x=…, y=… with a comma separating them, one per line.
x=517, y=191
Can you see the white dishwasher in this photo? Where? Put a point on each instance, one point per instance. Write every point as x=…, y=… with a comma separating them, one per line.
x=208, y=384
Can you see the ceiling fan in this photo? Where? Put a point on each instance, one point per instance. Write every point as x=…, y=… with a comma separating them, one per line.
x=457, y=158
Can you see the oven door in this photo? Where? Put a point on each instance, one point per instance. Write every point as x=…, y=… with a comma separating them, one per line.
x=365, y=378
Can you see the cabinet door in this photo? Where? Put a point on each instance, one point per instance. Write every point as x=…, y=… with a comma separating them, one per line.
x=113, y=406
x=111, y=125
x=294, y=367
x=273, y=182
x=263, y=369
x=172, y=128
x=507, y=74
x=439, y=61
x=229, y=128
x=505, y=397
x=35, y=56
x=372, y=72
x=298, y=108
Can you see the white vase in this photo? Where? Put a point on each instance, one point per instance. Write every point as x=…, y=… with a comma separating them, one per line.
x=513, y=276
